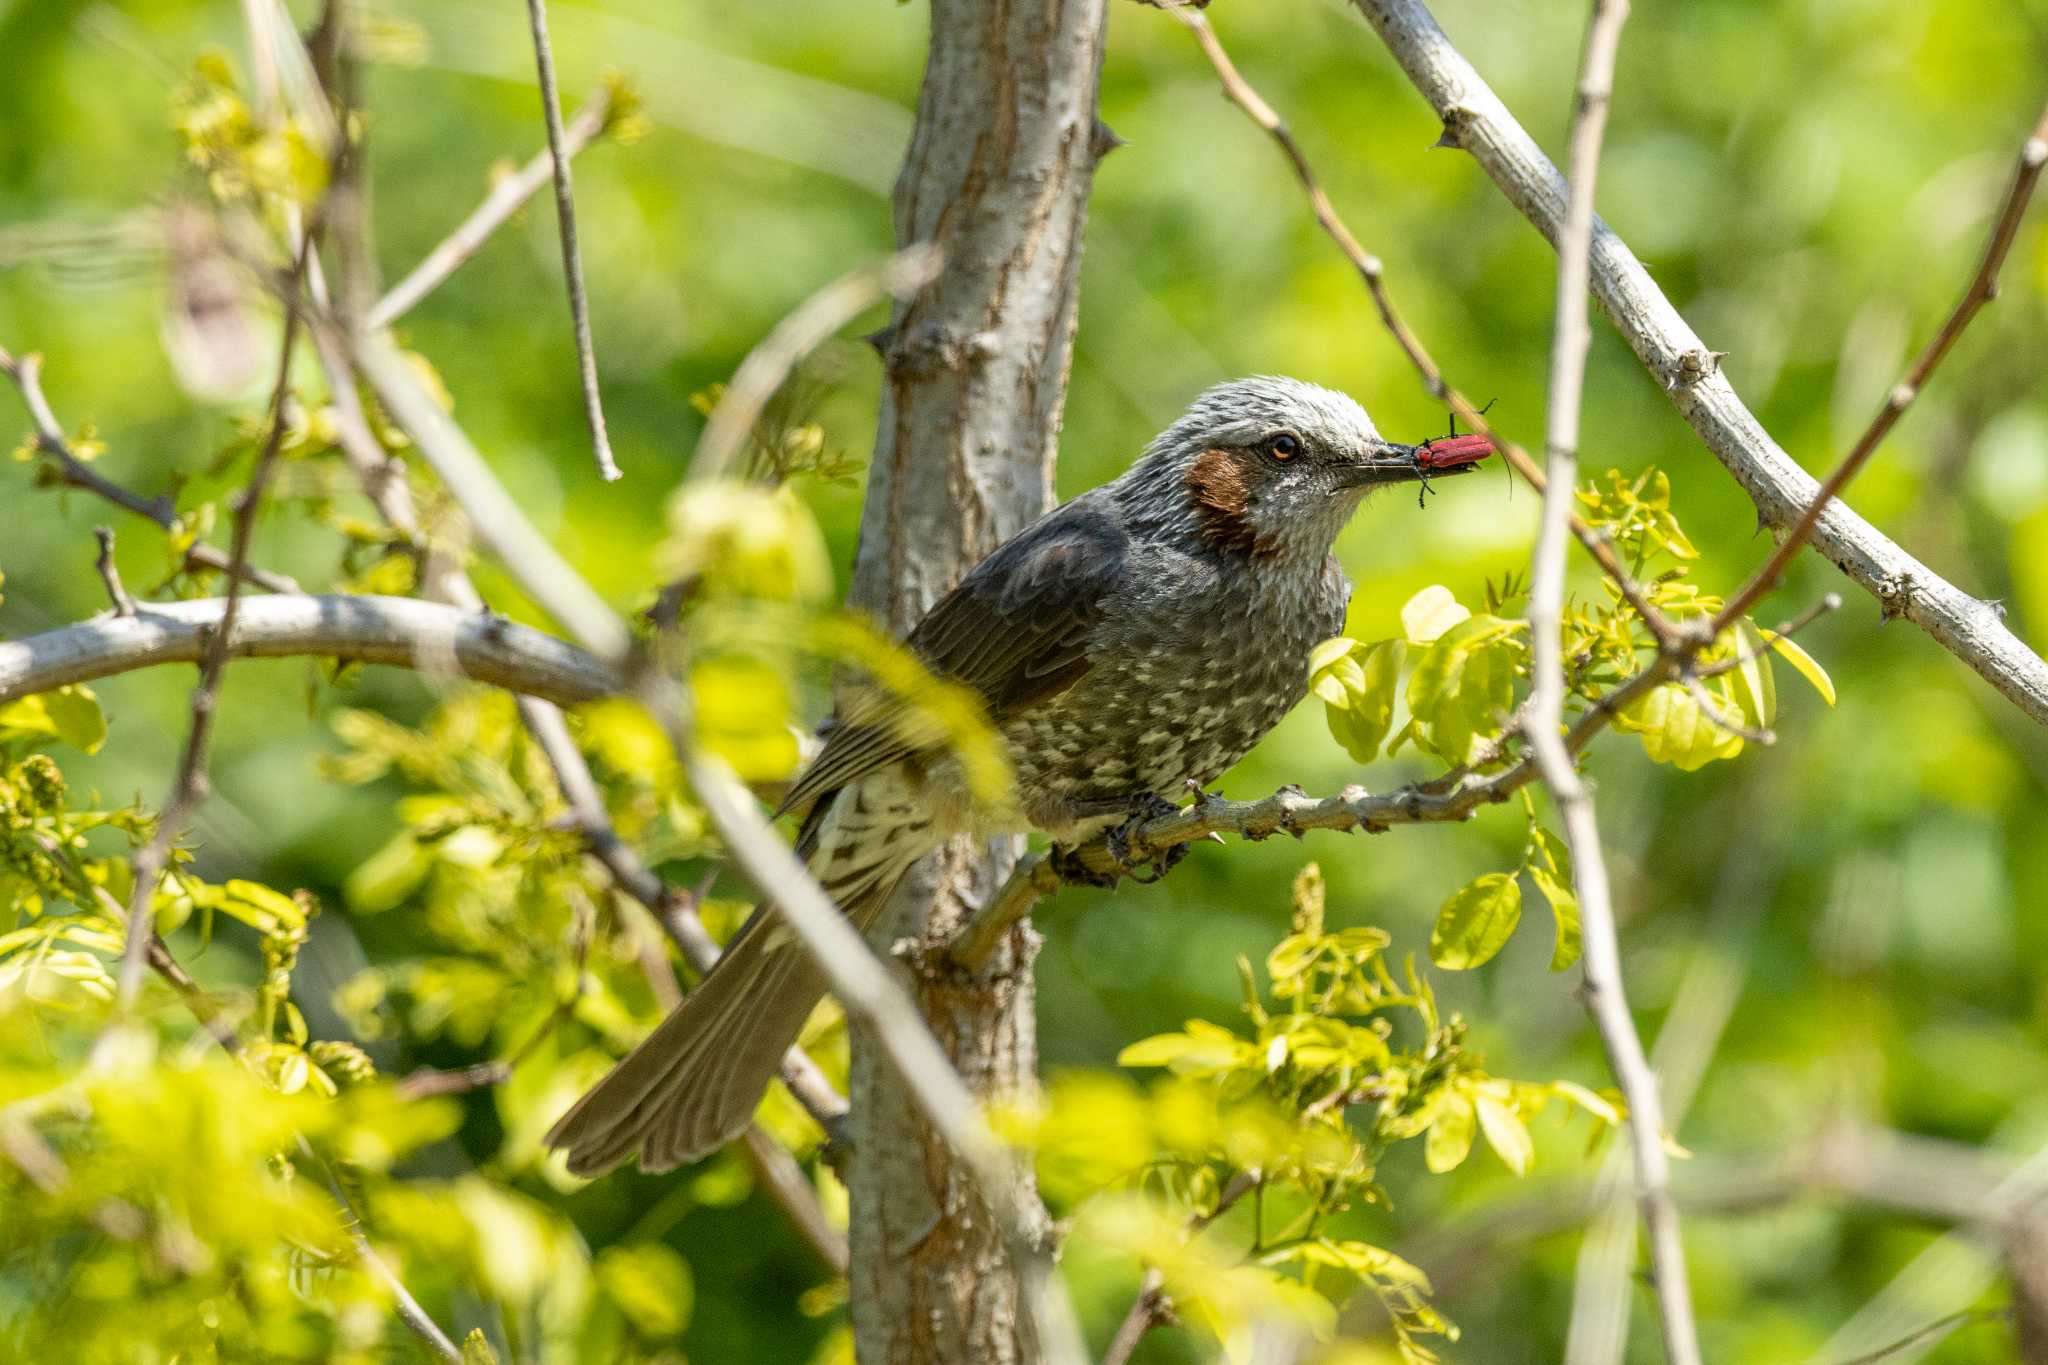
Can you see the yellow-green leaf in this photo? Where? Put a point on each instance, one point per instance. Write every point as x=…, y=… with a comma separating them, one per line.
x=1805, y=664
x=76, y=714
x=1551, y=869
x=1505, y=1132
x=1754, y=685
x=476, y=1350
x=1430, y=613
x=1476, y=921
x=1450, y=1137
x=1675, y=730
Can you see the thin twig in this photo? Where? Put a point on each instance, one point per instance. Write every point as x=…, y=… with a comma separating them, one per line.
x=1828, y=602
x=1982, y=289
x=497, y=208
x=408, y=1308
x=814, y=320
x=188, y=788
x=572, y=258
x=1371, y=271
x=870, y=995
x=1152, y=1307
x=1605, y=996
x=124, y=605
x=26, y=372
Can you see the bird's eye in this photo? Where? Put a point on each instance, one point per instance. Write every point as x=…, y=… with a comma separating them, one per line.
x=1285, y=446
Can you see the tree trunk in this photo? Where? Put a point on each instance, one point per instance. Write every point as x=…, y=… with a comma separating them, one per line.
x=997, y=174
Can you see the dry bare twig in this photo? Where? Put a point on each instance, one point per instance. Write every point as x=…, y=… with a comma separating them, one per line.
x=1606, y=997
x=26, y=372
x=188, y=788
x=572, y=258
x=807, y=327
x=124, y=605
x=497, y=208
x=1983, y=287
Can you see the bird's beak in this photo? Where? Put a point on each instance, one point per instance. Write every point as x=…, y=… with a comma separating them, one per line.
x=1392, y=462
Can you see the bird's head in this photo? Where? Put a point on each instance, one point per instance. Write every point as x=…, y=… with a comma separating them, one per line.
x=1271, y=466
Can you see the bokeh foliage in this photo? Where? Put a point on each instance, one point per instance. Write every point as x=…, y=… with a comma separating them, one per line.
x=1808, y=181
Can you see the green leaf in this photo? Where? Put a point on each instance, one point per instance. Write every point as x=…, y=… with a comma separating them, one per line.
x=76, y=713
x=1755, y=687
x=1464, y=685
x=1357, y=686
x=1805, y=664
x=1477, y=919
x=1675, y=730
x=651, y=1284
x=1505, y=1132
x=1430, y=613
x=1450, y=1137
x=1551, y=869
x=476, y=1350
x=1203, y=1049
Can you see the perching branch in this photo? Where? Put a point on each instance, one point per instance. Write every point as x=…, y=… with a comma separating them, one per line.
x=26, y=372
x=505, y=199
x=1453, y=797
x=572, y=258
x=1982, y=289
x=1605, y=997
x=1476, y=121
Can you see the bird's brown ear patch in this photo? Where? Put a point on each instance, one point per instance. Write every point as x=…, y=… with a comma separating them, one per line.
x=1221, y=487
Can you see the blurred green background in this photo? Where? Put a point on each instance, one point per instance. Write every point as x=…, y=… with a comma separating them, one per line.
x=1810, y=183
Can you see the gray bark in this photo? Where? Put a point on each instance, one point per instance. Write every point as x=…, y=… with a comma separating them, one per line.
x=998, y=173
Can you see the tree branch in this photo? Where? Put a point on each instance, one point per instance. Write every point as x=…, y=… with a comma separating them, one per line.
x=398, y=631
x=572, y=258
x=1453, y=797
x=1983, y=287
x=26, y=372
x=505, y=199
x=1476, y=121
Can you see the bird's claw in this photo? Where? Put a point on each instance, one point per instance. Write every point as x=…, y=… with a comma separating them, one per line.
x=1149, y=808
x=1072, y=867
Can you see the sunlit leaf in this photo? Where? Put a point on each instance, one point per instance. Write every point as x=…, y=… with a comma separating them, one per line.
x=1430, y=613
x=1675, y=730
x=1476, y=921
x=1505, y=1132
x=1805, y=664
x=1450, y=1137
x=1551, y=870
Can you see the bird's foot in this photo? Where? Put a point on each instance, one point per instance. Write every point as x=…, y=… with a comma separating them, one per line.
x=1147, y=809
x=1072, y=868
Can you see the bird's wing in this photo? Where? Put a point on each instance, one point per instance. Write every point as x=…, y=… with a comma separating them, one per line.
x=1016, y=631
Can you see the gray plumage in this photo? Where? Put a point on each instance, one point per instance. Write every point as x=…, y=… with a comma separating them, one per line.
x=1146, y=634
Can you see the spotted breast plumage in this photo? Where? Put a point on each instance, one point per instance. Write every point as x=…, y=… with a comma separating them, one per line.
x=1144, y=635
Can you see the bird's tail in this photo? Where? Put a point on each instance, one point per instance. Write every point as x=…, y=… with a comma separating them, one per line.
x=692, y=1085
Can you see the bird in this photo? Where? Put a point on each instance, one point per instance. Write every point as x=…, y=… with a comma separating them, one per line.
x=1138, y=638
